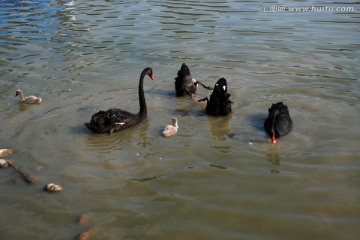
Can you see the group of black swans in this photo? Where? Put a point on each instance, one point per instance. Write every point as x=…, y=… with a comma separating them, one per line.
x=278, y=122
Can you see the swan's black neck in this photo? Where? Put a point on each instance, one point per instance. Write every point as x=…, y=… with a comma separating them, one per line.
x=143, y=109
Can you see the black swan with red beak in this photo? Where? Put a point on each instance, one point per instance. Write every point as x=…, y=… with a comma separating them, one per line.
x=219, y=103
x=278, y=123
x=116, y=119
x=185, y=84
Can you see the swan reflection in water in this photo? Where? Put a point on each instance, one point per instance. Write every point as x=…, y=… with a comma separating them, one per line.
x=219, y=128
x=273, y=157
x=119, y=140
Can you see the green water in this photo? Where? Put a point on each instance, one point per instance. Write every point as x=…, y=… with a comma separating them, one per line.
x=219, y=178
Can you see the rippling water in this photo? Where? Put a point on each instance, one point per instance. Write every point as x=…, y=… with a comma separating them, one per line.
x=219, y=178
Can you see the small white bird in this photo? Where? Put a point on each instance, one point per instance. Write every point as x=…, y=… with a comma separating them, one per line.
x=29, y=99
x=171, y=130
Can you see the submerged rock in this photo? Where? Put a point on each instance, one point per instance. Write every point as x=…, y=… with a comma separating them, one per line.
x=3, y=163
x=84, y=219
x=5, y=152
x=87, y=235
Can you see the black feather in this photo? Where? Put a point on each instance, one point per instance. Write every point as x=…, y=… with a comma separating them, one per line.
x=278, y=123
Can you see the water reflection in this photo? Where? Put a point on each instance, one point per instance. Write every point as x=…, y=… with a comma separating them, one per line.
x=274, y=158
x=22, y=107
x=273, y=155
x=30, y=20
x=219, y=128
x=30, y=28
x=118, y=140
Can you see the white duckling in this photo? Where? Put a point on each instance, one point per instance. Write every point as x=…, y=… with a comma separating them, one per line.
x=171, y=130
x=29, y=99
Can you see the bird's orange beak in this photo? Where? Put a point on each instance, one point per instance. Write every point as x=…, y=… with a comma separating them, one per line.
x=273, y=139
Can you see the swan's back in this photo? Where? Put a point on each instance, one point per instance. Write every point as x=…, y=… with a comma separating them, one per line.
x=184, y=83
x=278, y=123
x=219, y=103
x=112, y=120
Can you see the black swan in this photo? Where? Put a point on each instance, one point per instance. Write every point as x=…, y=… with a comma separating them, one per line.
x=278, y=123
x=116, y=119
x=185, y=84
x=29, y=99
x=219, y=103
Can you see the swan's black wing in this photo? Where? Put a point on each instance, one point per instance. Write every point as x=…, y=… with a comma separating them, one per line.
x=184, y=83
x=185, y=86
x=278, y=120
x=283, y=124
x=111, y=120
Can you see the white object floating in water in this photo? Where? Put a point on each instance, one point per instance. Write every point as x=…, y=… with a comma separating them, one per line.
x=171, y=130
x=4, y=152
x=52, y=187
x=3, y=163
x=29, y=99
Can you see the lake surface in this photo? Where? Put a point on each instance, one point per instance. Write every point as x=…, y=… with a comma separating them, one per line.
x=220, y=177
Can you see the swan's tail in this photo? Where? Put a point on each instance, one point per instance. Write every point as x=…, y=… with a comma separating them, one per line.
x=273, y=138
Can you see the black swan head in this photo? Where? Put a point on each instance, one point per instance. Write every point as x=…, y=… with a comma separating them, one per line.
x=149, y=72
x=278, y=123
x=115, y=119
x=219, y=103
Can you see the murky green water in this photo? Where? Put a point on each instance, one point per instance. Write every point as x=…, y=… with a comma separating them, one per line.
x=219, y=178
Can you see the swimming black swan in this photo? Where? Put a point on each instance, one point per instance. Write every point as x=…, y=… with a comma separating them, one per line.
x=278, y=123
x=219, y=103
x=116, y=119
x=29, y=99
x=185, y=84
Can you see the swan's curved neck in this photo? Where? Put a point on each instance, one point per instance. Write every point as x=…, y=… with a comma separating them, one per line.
x=143, y=109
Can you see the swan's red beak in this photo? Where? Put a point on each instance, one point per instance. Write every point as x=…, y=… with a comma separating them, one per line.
x=152, y=76
x=273, y=139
